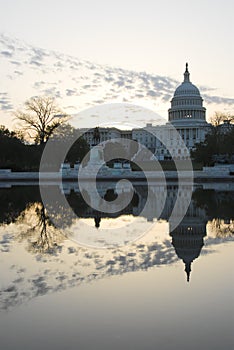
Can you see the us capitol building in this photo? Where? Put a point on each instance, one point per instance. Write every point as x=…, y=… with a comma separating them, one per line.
x=186, y=126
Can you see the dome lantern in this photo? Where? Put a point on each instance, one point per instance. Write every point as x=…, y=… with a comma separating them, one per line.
x=186, y=74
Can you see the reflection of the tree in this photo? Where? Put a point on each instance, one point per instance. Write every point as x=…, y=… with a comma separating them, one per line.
x=39, y=230
x=222, y=228
x=217, y=204
x=16, y=201
x=83, y=265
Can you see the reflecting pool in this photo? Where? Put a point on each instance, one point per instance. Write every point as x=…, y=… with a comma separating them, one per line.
x=120, y=280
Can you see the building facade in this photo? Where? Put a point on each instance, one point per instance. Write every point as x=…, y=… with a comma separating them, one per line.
x=176, y=139
x=186, y=125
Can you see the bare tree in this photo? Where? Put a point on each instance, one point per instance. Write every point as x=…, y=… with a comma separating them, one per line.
x=220, y=117
x=39, y=231
x=222, y=229
x=40, y=118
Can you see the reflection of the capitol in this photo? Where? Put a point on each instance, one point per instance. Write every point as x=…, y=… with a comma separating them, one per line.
x=69, y=265
x=157, y=201
x=187, y=237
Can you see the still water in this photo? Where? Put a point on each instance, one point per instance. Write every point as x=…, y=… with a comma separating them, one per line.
x=95, y=282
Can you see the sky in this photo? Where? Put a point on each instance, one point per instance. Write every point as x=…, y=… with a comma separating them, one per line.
x=152, y=36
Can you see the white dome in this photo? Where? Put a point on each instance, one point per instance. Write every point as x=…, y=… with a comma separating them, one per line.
x=187, y=103
x=187, y=88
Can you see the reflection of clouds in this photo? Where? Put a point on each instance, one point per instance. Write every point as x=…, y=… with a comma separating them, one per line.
x=211, y=241
x=70, y=265
x=82, y=266
x=5, y=243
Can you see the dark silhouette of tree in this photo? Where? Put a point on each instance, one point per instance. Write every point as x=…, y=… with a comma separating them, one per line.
x=216, y=143
x=40, y=118
x=17, y=155
x=216, y=204
x=64, y=137
x=219, y=117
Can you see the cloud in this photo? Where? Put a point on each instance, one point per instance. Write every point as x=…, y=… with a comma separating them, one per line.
x=39, y=84
x=99, y=102
x=52, y=92
x=90, y=83
x=6, y=54
x=35, y=62
x=109, y=79
x=166, y=97
x=153, y=93
x=17, y=72
x=5, y=103
x=120, y=83
x=15, y=63
x=71, y=92
x=218, y=100
x=39, y=54
x=59, y=65
x=70, y=107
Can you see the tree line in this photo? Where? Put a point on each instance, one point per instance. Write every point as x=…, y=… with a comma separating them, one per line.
x=218, y=146
x=41, y=119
